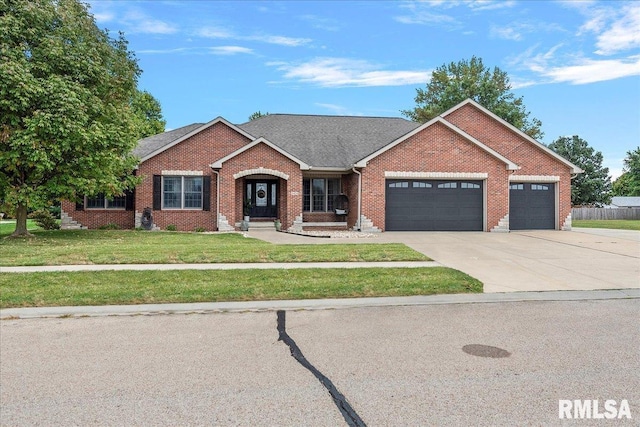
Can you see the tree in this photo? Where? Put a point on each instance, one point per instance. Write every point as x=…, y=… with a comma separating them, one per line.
x=593, y=186
x=66, y=123
x=257, y=115
x=628, y=184
x=148, y=114
x=453, y=83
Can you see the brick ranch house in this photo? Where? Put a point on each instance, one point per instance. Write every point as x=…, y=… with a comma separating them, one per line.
x=466, y=169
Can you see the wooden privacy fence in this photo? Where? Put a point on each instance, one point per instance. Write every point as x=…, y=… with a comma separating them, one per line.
x=604, y=213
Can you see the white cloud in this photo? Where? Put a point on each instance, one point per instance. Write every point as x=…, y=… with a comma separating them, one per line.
x=280, y=40
x=223, y=33
x=139, y=22
x=624, y=33
x=215, y=50
x=591, y=71
x=341, y=72
x=230, y=50
x=321, y=23
x=517, y=30
x=214, y=33
x=336, y=109
x=425, y=18
x=424, y=12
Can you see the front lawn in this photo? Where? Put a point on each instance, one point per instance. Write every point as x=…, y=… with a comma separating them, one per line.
x=185, y=286
x=64, y=247
x=619, y=224
x=8, y=226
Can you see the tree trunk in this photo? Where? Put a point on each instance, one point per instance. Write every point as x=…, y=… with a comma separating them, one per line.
x=21, y=221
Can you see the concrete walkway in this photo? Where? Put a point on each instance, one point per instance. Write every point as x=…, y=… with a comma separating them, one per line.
x=316, y=304
x=218, y=266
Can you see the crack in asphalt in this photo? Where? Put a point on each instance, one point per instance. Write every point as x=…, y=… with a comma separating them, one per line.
x=348, y=413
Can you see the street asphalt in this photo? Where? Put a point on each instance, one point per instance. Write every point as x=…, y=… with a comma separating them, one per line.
x=397, y=365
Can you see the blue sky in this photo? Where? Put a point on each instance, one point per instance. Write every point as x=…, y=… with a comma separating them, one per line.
x=577, y=64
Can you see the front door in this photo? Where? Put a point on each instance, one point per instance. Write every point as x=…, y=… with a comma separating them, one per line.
x=263, y=195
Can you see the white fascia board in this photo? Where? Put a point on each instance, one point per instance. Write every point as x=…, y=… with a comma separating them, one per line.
x=218, y=164
x=510, y=165
x=196, y=131
x=574, y=168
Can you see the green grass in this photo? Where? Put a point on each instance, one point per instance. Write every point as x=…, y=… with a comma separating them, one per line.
x=619, y=224
x=8, y=226
x=183, y=286
x=139, y=247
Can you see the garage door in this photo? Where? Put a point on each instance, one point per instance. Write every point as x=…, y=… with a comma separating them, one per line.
x=428, y=205
x=532, y=206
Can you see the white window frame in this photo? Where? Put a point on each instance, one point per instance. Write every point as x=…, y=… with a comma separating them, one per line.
x=182, y=193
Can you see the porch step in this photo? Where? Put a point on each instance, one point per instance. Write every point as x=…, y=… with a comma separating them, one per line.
x=259, y=224
x=324, y=224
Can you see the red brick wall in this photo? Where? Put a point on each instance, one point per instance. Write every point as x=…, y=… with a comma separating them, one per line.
x=96, y=218
x=261, y=155
x=531, y=159
x=435, y=149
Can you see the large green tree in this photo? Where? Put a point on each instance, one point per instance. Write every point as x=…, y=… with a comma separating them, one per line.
x=452, y=83
x=66, y=122
x=628, y=184
x=148, y=114
x=593, y=186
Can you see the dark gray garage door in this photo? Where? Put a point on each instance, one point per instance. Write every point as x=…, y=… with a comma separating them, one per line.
x=428, y=205
x=532, y=206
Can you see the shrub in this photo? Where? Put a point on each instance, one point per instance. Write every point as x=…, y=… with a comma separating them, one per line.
x=110, y=226
x=199, y=229
x=45, y=220
x=172, y=227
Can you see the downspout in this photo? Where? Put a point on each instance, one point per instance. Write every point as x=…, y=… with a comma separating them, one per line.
x=358, y=225
x=217, y=198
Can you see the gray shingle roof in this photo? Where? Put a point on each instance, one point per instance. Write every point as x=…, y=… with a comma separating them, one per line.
x=328, y=141
x=320, y=141
x=150, y=144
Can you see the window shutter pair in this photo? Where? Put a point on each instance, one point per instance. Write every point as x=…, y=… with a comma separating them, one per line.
x=157, y=193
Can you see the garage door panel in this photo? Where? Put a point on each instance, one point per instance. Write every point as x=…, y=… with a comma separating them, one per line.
x=532, y=206
x=434, y=205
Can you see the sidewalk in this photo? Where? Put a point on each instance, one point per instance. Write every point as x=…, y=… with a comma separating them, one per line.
x=318, y=304
x=219, y=266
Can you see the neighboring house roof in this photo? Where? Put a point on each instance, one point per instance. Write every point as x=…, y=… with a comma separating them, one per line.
x=328, y=141
x=625, y=202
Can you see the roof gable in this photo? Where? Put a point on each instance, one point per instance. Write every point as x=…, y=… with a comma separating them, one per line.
x=154, y=145
x=510, y=165
x=218, y=163
x=540, y=146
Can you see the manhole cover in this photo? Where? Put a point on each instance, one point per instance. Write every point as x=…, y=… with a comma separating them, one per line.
x=485, y=351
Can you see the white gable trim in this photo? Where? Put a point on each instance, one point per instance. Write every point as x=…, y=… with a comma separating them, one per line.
x=195, y=132
x=510, y=165
x=574, y=168
x=261, y=140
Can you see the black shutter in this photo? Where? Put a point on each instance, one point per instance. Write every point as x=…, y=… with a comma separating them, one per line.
x=157, y=192
x=80, y=203
x=129, y=200
x=206, y=193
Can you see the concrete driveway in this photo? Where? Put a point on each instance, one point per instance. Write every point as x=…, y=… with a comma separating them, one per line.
x=546, y=260
x=543, y=260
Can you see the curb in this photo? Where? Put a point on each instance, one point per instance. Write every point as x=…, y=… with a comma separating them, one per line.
x=320, y=304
